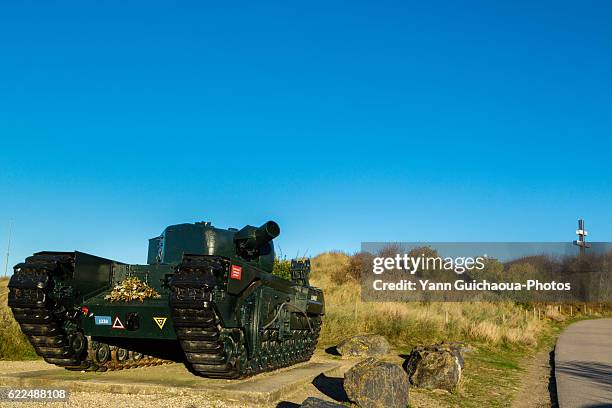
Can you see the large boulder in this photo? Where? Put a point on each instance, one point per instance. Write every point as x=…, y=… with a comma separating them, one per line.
x=374, y=383
x=437, y=366
x=312, y=402
x=363, y=345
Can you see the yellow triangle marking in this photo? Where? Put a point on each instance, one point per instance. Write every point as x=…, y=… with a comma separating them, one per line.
x=160, y=321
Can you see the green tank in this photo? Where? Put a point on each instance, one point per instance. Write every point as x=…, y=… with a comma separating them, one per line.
x=206, y=297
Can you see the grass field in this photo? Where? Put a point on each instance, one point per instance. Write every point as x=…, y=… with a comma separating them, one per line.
x=503, y=335
x=410, y=323
x=13, y=344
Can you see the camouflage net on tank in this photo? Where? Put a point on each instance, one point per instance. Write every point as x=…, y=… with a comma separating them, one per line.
x=132, y=289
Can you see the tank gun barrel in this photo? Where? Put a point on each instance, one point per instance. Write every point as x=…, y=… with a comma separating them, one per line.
x=250, y=238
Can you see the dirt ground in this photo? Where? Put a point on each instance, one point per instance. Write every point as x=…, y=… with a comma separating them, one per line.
x=534, y=390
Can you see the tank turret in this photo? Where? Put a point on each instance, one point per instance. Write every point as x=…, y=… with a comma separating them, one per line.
x=250, y=244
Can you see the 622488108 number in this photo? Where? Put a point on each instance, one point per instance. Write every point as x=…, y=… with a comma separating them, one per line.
x=33, y=394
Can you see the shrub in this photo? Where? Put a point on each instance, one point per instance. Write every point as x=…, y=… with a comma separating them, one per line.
x=358, y=265
x=329, y=266
x=282, y=268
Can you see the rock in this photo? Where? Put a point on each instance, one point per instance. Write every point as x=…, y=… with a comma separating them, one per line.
x=438, y=366
x=461, y=347
x=559, y=318
x=374, y=383
x=312, y=402
x=364, y=345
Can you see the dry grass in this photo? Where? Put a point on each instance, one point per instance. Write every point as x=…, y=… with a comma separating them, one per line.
x=411, y=323
x=13, y=344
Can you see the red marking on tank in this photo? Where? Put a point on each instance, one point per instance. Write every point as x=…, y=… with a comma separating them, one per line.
x=236, y=272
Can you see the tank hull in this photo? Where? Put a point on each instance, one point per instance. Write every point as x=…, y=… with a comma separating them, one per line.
x=224, y=316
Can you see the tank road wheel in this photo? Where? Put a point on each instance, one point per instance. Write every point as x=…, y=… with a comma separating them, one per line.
x=238, y=357
x=275, y=353
x=255, y=365
x=121, y=356
x=136, y=356
x=78, y=343
x=265, y=356
x=103, y=353
x=235, y=349
x=283, y=351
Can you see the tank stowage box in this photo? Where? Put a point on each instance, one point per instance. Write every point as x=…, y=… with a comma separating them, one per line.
x=207, y=297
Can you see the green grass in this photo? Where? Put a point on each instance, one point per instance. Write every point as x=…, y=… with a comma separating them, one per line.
x=492, y=373
x=500, y=359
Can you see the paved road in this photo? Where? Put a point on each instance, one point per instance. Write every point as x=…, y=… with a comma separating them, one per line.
x=583, y=365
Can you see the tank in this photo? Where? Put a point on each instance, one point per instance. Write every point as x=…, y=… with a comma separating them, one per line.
x=206, y=297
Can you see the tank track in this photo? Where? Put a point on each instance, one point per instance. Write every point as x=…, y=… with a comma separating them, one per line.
x=217, y=352
x=48, y=325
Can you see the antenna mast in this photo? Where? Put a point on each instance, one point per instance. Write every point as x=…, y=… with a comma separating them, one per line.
x=582, y=233
x=8, y=250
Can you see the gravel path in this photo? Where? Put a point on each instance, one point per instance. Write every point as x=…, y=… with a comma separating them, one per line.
x=22, y=366
x=98, y=399
x=93, y=399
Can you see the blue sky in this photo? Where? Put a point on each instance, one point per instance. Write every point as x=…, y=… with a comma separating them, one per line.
x=343, y=121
